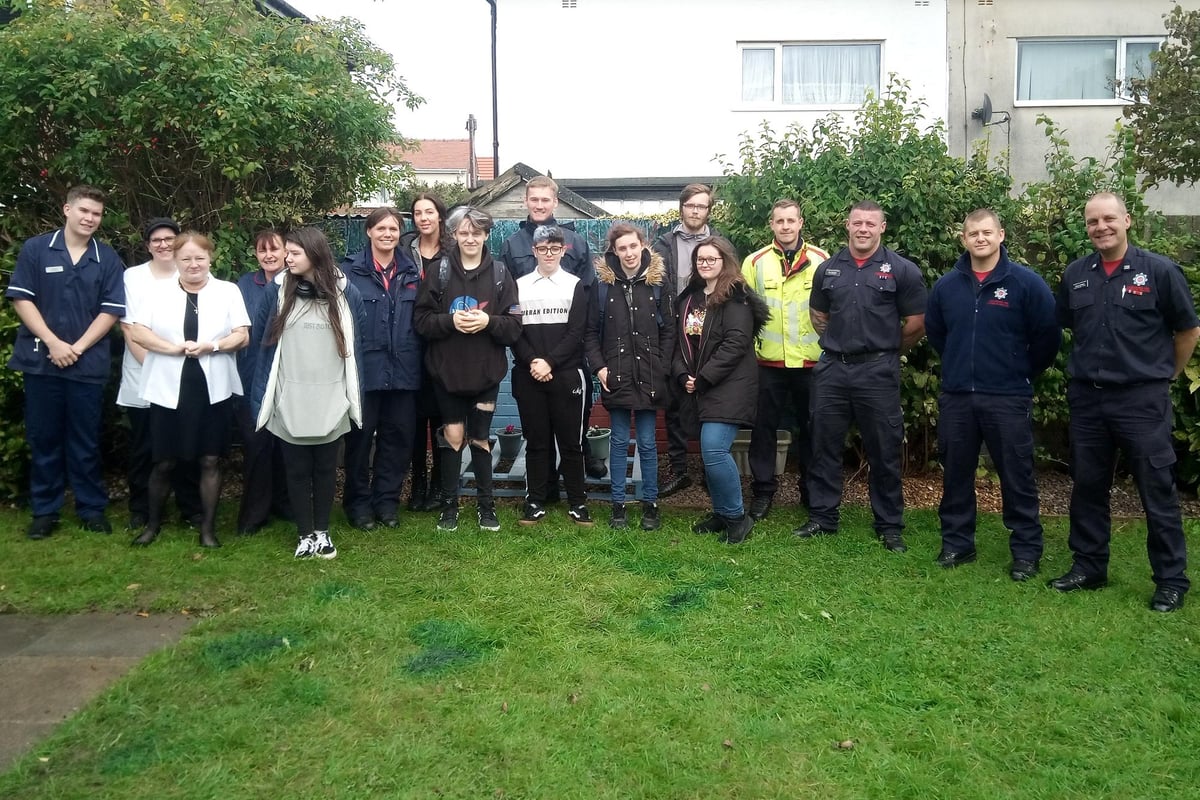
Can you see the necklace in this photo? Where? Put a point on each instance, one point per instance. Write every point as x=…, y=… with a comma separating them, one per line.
x=188, y=297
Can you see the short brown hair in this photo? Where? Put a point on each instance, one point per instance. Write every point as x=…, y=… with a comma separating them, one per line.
x=85, y=192
x=786, y=202
x=983, y=213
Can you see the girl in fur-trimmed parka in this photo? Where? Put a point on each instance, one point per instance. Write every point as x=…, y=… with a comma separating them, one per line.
x=629, y=346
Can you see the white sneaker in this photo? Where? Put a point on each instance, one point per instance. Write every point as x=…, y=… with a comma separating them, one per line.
x=306, y=548
x=323, y=547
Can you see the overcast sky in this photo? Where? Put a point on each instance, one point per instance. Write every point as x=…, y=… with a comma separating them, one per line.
x=443, y=50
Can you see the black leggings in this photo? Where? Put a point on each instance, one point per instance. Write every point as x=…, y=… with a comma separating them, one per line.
x=311, y=481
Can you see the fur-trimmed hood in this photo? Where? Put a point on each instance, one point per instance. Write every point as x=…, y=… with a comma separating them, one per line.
x=653, y=270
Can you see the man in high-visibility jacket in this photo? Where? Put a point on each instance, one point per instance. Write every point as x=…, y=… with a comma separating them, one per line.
x=787, y=349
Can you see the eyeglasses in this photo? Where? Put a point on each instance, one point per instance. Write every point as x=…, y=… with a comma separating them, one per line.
x=549, y=250
x=696, y=207
x=708, y=262
x=162, y=241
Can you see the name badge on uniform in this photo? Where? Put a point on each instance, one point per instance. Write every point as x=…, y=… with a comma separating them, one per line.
x=833, y=273
x=50, y=270
x=1079, y=285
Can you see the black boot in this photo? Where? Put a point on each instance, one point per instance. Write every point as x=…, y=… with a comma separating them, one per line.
x=737, y=529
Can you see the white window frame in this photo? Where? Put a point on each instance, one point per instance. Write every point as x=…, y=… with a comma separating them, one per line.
x=776, y=103
x=1119, y=98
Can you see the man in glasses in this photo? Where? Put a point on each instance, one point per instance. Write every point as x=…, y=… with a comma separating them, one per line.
x=675, y=246
x=868, y=306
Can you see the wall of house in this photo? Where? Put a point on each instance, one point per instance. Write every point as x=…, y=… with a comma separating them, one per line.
x=657, y=91
x=983, y=38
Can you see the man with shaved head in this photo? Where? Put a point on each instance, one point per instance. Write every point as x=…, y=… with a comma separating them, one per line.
x=1135, y=328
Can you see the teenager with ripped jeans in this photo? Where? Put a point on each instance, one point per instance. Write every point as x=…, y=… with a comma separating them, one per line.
x=468, y=313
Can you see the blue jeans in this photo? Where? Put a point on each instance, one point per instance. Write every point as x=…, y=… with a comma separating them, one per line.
x=647, y=450
x=724, y=482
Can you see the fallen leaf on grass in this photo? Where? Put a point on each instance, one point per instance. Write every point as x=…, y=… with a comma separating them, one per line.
x=130, y=587
x=43, y=759
x=704, y=687
x=197, y=556
x=827, y=615
x=184, y=611
x=845, y=744
x=143, y=613
x=573, y=698
x=504, y=707
x=727, y=744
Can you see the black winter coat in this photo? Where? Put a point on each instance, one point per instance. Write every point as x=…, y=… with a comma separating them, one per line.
x=636, y=348
x=725, y=368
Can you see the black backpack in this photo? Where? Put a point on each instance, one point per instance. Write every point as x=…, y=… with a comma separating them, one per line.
x=498, y=273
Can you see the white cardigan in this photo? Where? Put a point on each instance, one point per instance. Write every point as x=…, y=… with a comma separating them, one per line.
x=221, y=310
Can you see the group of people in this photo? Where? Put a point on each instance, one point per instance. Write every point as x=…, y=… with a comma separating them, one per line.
x=403, y=347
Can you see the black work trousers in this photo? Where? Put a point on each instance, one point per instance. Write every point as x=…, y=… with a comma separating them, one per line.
x=1005, y=423
x=1137, y=419
x=868, y=394
x=372, y=487
x=780, y=389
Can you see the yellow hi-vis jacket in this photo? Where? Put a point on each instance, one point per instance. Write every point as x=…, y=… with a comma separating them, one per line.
x=789, y=336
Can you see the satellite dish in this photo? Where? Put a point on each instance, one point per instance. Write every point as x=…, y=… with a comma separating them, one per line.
x=984, y=112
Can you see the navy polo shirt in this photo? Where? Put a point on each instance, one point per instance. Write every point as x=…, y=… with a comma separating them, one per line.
x=865, y=304
x=69, y=297
x=1124, y=326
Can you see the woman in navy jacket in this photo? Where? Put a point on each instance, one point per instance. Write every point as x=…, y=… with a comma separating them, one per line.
x=387, y=279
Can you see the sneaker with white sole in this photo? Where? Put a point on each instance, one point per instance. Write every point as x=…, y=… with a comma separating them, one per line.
x=488, y=521
x=324, y=545
x=307, y=546
x=448, y=519
x=534, y=514
x=580, y=516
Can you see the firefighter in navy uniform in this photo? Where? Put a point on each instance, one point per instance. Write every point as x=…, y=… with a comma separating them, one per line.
x=1135, y=328
x=868, y=305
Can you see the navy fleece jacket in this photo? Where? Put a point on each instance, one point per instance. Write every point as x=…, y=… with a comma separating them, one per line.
x=996, y=335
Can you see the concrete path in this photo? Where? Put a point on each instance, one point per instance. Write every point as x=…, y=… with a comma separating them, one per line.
x=55, y=665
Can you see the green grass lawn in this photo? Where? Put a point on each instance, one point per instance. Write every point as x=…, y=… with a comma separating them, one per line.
x=556, y=662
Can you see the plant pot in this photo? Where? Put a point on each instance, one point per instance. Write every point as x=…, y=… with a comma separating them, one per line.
x=597, y=442
x=510, y=443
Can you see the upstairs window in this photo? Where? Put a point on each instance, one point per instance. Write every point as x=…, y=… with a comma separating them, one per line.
x=816, y=75
x=1080, y=71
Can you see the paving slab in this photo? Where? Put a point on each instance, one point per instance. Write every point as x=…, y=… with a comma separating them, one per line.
x=55, y=665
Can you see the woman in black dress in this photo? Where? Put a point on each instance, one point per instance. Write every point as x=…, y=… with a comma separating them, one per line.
x=191, y=329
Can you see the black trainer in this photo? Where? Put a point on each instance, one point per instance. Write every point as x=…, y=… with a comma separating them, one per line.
x=448, y=519
x=618, y=519
x=534, y=514
x=580, y=516
x=488, y=521
x=650, y=521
